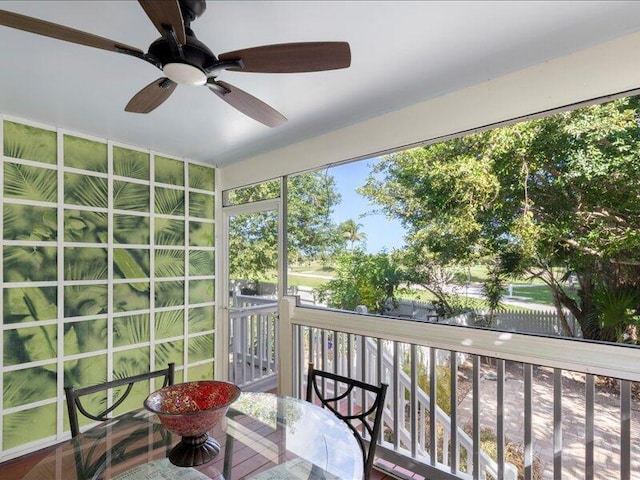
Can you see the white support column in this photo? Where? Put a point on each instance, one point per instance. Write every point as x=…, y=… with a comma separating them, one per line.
x=285, y=352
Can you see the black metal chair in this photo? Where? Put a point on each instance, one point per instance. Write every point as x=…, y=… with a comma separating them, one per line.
x=74, y=404
x=361, y=419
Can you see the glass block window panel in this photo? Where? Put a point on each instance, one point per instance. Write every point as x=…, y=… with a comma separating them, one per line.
x=131, y=330
x=30, y=304
x=201, y=291
x=169, y=232
x=85, y=263
x=131, y=264
x=29, y=385
x=30, y=183
x=84, y=372
x=30, y=223
x=168, y=170
x=131, y=229
x=28, y=426
x=201, y=234
x=200, y=348
x=201, y=262
x=128, y=363
x=130, y=196
x=170, y=324
x=32, y=344
x=38, y=264
x=30, y=143
x=85, y=190
x=202, y=178
x=201, y=205
x=169, y=263
x=85, y=336
x=169, y=201
x=169, y=294
x=167, y=352
x=130, y=163
x=201, y=372
x=201, y=319
x=85, y=300
x=128, y=297
x=85, y=227
x=85, y=154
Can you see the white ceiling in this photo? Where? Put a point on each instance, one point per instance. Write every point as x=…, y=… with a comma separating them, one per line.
x=402, y=53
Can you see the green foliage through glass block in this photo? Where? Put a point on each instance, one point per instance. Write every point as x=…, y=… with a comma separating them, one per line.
x=201, y=262
x=130, y=163
x=130, y=196
x=169, y=263
x=201, y=177
x=201, y=319
x=170, y=324
x=201, y=234
x=85, y=336
x=30, y=143
x=169, y=201
x=128, y=297
x=85, y=190
x=85, y=263
x=169, y=232
x=85, y=154
x=169, y=294
x=30, y=304
x=30, y=183
x=85, y=226
x=201, y=205
x=200, y=372
x=30, y=264
x=29, y=385
x=25, y=345
x=84, y=300
x=131, y=229
x=201, y=291
x=131, y=330
x=169, y=171
x=131, y=264
x=169, y=352
x=30, y=222
x=28, y=426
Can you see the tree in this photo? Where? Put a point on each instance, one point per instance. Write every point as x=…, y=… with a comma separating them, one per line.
x=559, y=191
x=350, y=231
x=311, y=232
x=362, y=279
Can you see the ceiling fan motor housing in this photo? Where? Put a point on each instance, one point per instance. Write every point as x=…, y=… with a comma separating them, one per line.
x=194, y=52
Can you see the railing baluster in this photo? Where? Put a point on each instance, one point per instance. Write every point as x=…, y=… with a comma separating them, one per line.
x=528, y=431
x=433, y=378
x=476, y=419
x=588, y=426
x=349, y=368
x=260, y=326
x=625, y=429
x=500, y=418
x=414, y=401
x=397, y=401
x=453, y=361
x=557, y=424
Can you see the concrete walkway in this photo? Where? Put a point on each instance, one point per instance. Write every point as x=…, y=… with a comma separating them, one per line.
x=606, y=422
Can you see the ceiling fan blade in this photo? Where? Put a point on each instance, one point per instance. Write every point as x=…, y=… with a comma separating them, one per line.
x=165, y=13
x=53, y=30
x=292, y=57
x=247, y=104
x=151, y=96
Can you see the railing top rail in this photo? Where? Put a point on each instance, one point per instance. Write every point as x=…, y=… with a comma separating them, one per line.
x=619, y=361
x=253, y=309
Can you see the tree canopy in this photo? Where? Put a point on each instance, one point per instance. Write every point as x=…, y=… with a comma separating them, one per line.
x=560, y=191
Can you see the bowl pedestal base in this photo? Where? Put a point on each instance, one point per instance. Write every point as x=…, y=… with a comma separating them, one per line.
x=193, y=451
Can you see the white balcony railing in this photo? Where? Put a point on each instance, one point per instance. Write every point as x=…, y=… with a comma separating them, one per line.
x=530, y=392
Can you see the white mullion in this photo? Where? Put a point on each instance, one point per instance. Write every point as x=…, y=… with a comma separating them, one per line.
x=29, y=406
x=90, y=173
x=60, y=285
x=34, y=324
x=37, y=203
x=31, y=163
x=28, y=365
x=152, y=264
x=110, y=308
x=187, y=251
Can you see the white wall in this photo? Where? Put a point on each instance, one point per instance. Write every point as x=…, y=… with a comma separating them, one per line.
x=608, y=68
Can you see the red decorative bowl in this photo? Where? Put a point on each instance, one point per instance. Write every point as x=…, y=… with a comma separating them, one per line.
x=190, y=410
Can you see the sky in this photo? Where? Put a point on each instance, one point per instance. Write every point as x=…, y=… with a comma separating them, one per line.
x=382, y=233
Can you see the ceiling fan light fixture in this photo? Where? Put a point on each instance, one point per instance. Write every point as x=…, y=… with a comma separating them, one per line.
x=184, y=74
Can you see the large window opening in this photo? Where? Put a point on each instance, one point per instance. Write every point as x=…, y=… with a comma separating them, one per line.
x=530, y=227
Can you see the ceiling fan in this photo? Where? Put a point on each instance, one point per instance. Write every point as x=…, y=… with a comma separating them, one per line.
x=185, y=60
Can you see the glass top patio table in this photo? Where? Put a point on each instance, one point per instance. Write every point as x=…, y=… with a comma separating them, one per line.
x=263, y=437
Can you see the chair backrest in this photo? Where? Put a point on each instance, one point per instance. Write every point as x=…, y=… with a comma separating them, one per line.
x=344, y=391
x=74, y=403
